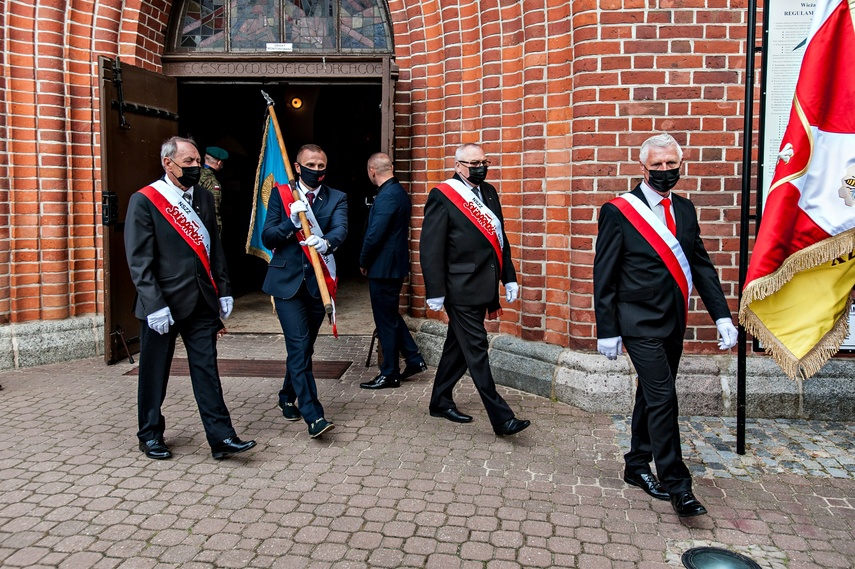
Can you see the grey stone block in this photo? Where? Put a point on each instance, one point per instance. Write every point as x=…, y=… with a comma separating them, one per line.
x=593, y=383
x=49, y=341
x=527, y=366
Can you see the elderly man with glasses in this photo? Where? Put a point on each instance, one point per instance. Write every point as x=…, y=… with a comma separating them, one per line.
x=464, y=254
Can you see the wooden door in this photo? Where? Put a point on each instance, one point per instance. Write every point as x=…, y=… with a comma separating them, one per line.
x=138, y=113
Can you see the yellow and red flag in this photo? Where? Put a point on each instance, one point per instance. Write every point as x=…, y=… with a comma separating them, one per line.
x=799, y=283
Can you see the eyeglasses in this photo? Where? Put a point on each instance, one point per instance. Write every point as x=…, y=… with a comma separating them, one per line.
x=474, y=163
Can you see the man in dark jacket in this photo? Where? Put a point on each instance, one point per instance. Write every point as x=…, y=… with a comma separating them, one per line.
x=649, y=255
x=291, y=279
x=464, y=253
x=178, y=268
x=385, y=260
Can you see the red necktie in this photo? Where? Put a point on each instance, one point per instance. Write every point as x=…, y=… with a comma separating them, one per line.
x=311, y=197
x=669, y=220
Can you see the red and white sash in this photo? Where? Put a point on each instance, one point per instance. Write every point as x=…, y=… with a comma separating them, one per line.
x=475, y=211
x=660, y=238
x=183, y=219
x=328, y=261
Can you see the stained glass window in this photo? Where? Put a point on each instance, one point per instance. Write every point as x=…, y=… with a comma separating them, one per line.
x=318, y=26
x=254, y=24
x=363, y=26
x=204, y=25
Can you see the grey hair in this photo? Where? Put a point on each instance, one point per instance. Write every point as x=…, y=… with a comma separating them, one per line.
x=461, y=150
x=170, y=147
x=659, y=141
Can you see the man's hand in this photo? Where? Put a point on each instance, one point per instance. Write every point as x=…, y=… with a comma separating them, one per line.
x=314, y=241
x=296, y=208
x=436, y=303
x=610, y=347
x=512, y=291
x=363, y=271
x=727, y=333
x=226, y=305
x=159, y=320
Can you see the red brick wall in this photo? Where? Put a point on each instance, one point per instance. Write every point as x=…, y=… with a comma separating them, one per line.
x=560, y=94
x=50, y=242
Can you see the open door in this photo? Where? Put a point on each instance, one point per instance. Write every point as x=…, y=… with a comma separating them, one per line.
x=138, y=112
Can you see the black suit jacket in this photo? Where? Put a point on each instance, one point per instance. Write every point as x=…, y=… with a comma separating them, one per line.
x=164, y=268
x=634, y=293
x=289, y=266
x=385, y=249
x=457, y=261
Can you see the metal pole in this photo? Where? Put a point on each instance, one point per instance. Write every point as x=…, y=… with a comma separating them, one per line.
x=747, y=137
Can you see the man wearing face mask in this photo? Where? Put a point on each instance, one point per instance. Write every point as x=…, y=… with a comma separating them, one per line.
x=649, y=257
x=291, y=279
x=177, y=266
x=464, y=253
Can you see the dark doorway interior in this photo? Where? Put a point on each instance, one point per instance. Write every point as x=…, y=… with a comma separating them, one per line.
x=344, y=119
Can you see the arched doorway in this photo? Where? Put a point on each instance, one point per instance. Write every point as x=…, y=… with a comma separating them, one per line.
x=334, y=56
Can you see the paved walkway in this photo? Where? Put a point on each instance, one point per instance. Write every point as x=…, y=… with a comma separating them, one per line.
x=391, y=486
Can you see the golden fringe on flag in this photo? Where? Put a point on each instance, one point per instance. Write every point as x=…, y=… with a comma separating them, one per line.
x=827, y=251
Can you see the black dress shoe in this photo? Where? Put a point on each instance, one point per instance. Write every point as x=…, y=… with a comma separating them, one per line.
x=290, y=411
x=452, y=414
x=412, y=370
x=511, y=427
x=686, y=505
x=230, y=446
x=647, y=482
x=381, y=382
x=156, y=449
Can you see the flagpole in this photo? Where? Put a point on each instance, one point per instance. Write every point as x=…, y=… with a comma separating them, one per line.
x=304, y=222
x=747, y=138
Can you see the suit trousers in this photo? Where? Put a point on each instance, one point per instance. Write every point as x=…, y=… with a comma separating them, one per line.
x=392, y=331
x=301, y=317
x=466, y=347
x=655, y=429
x=199, y=333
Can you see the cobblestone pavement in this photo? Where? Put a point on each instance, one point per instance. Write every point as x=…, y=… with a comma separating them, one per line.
x=391, y=486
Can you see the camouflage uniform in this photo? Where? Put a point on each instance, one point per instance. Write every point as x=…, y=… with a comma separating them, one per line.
x=209, y=181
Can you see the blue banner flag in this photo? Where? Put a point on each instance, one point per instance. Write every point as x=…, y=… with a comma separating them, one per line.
x=271, y=171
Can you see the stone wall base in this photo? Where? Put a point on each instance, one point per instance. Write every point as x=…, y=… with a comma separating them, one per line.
x=49, y=341
x=706, y=385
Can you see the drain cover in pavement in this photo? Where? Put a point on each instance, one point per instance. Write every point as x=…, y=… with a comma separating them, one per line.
x=258, y=368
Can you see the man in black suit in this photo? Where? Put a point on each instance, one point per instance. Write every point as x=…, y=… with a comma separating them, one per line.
x=385, y=260
x=464, y=253
x=178, y=268
x=649, y=255
x=291, y=279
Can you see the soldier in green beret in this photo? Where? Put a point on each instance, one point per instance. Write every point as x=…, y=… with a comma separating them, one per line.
x=214, y=156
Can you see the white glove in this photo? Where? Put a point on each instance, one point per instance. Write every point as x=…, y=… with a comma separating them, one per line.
x=159, y=320
x=727, y=332
x=610, y=347
x=296, y=208
x=314, y=241
x=436, y=303
x=512, y=291
x=226, y=305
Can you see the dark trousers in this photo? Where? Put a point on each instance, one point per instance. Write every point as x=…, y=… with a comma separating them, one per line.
x=199, y=333
x=655, y=430
x=301, y=317
x=466, y=347
x=392, y=331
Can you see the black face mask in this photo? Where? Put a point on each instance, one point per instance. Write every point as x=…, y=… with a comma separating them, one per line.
x=312, y=178
x=477, y=174
x=189, y=176
x=663, y=180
